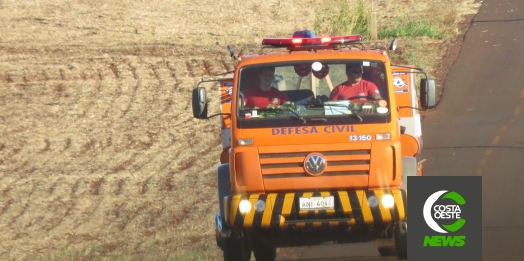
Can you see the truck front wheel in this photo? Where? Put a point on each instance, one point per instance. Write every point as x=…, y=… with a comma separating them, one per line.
x=236, y=250
x=401, y=239
x=264, y=252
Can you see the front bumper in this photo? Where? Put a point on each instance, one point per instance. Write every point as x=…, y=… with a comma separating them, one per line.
x=354, y=207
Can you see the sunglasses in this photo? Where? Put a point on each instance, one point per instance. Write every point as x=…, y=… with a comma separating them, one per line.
x=355, y=72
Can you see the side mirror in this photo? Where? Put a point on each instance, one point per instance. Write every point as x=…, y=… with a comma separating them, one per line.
x=230, y=51
x=199, y=101
x=428, y=93
x=393, y=45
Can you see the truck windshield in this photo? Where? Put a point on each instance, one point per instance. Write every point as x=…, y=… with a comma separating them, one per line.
x=319, y=92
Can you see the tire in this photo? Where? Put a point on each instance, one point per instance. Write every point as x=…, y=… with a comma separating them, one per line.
x=387, y=250
x=236, y=250
x=401, y=239
x=263, y=252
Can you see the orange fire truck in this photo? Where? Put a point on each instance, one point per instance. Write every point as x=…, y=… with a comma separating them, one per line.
x=305, y=168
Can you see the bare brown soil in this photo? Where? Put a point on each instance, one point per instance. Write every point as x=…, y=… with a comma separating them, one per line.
x=100, y=157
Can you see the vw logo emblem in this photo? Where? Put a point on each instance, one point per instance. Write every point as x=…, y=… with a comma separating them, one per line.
x=315, y=164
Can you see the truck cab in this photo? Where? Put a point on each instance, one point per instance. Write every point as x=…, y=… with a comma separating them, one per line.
x=323, y=153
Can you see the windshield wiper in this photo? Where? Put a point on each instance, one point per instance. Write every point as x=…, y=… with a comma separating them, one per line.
x=297, y=116
x=353, y=113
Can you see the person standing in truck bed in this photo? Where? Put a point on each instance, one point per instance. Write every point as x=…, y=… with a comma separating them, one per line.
x=355, y=88
x=265, y=94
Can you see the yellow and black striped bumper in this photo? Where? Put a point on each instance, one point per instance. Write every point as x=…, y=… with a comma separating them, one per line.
x=355, y=207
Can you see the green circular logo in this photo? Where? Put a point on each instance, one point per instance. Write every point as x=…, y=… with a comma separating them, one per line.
x=436, y=212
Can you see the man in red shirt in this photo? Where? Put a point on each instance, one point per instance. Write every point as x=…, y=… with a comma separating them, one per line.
x=355, y=88
x=264, y=94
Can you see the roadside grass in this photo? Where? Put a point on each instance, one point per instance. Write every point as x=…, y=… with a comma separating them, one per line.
x=415, y=52
x=409, y=27
x=340, y=19
x=420, y=38
x=413, y=32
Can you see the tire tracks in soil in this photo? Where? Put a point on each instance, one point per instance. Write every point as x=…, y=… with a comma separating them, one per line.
x=150, y=156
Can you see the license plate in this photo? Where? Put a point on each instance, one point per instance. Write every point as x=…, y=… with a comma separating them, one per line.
x=316, y=203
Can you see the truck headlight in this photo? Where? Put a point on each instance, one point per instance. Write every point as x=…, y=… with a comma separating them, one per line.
x=260, y=206
x=244, y=206
x=245, y=142
x=388, y=201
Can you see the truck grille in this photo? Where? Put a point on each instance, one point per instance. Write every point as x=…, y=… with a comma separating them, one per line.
x=339, y=163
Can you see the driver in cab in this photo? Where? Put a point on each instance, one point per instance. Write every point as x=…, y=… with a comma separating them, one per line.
x=264, y=94
x=355, y=88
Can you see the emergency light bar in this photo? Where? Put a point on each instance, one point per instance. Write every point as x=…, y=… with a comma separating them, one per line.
x=318, y=41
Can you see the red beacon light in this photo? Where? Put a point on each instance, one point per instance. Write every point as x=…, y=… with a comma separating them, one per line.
x=308, y=38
